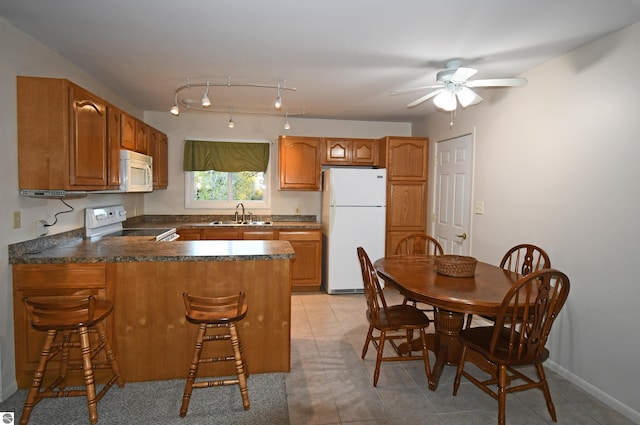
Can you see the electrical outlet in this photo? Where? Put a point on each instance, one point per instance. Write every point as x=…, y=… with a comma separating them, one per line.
x=41, y=228
x=297, y=210
x=17, y=220
x=478, y=207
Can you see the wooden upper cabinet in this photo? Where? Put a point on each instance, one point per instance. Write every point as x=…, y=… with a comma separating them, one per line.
x=142, y=137
x=349, y=151
x=88, y=139
x=406, y=158
x=159, y=150
x=113, y=137
x=299, y=163
x=128, y=132
x=134, y=134
x=62, y=136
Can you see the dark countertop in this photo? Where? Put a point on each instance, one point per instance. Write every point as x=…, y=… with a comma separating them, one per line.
x=141, y=249
x=73, y=247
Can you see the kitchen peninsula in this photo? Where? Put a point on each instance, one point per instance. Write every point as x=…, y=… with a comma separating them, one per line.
x=146, y=279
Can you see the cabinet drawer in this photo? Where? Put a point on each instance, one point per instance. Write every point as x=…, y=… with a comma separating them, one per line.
x=313, y=235
x=55, y=276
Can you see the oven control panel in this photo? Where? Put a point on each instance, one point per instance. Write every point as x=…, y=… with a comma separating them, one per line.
x=100, y=219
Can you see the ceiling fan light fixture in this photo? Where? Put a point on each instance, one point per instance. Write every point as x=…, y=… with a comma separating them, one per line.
x=467, y=97
x=446, y=100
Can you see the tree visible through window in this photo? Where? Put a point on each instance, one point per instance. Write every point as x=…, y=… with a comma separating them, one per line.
x=223, y=186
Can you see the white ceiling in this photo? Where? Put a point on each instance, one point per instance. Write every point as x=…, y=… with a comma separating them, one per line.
x=344, y=57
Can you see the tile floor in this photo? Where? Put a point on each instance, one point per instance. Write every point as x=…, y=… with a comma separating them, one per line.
x=330, y=384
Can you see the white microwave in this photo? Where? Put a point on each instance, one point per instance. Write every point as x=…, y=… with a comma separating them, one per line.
x=136, y=172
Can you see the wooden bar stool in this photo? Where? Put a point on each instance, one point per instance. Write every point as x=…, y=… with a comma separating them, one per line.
x=72, y=318
x=221, y=312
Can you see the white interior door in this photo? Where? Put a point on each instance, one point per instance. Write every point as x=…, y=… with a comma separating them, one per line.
x=452, y=205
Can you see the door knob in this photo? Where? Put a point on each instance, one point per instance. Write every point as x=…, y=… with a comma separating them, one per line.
x=463, y=236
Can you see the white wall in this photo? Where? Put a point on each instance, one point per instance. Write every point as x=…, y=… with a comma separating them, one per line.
x=22, y=55
x=556, y=164
x=212, y=126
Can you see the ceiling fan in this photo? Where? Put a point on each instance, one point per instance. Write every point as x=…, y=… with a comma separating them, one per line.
x=453, y=86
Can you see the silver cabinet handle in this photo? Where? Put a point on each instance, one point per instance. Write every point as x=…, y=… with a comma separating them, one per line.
x=463, y=236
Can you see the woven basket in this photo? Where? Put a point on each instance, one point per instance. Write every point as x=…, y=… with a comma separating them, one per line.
x=456, y=265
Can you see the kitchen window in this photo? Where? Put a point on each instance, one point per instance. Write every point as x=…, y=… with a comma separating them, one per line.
x=218, y=175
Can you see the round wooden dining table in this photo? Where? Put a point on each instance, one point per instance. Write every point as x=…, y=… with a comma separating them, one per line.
x=417, y=278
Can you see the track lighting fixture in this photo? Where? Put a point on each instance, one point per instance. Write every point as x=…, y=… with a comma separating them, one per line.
x=278, y=102
x=175, y=109
x=205, y=97
x=287, y=126
x=186, y=95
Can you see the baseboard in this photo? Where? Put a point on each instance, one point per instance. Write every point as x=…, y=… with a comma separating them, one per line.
x=8, y=391
x=597, y=393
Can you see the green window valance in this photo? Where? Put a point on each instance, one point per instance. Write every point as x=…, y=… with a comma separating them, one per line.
x=225, y=156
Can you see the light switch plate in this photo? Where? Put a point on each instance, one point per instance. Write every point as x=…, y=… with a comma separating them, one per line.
x=478, y=207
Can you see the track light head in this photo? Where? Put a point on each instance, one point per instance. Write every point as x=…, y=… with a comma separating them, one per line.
x=278, y=103
x=287, y=126
x=175, y=110
x=205, y=97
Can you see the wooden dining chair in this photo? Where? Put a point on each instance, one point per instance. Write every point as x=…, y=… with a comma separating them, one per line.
x=392, y=323
x=419, y=244
x=522, y=259
x=517, y=338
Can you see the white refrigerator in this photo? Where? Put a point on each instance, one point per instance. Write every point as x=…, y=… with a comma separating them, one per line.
x=353, y=215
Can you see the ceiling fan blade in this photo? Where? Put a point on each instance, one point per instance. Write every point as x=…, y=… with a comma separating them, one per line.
x=467, y=97
x=405, y=91
x=498, y=82
x=463, y=74
x=424, y=98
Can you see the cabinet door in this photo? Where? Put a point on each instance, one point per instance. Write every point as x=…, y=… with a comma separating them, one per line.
x=142, y=137
x=363, y=151
x=54, y=280
x=88, y=139
x=127, y=132
x=307, y=265
x=406, y=206
x=159, y=150
x=189, y=234
x=299, y=163
x=113, y=137
x=407, y=158
x=337, y=151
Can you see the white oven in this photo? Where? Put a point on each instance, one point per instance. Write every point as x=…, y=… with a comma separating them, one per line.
x=136, y=172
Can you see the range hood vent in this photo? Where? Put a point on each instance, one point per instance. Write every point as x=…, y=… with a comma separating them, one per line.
x=53, y=194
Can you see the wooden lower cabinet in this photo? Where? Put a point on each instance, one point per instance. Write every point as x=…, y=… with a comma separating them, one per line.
x=150, y=335
x=307, y=266
x=53, y=280
x=189, y=234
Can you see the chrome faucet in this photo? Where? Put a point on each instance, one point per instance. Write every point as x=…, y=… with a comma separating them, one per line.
x=240, y=204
